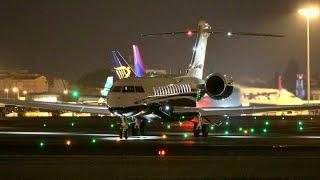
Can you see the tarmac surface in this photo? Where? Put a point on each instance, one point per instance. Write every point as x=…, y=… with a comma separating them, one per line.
x=89, y=148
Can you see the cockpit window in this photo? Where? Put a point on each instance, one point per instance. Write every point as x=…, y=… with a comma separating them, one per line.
x=128, y=89
x=116, y=89
x=139, y=89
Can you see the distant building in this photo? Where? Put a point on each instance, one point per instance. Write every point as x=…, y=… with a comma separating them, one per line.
x=315, y=94
x=28, y=83
x=57, y=85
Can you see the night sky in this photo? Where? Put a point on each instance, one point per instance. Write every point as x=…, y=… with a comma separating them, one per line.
x=74, y=37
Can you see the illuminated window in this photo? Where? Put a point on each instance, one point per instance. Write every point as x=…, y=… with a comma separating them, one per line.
x=128, y=89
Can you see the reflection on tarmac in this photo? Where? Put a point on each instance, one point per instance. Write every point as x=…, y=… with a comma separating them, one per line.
x=169, y=136
x=53, y=133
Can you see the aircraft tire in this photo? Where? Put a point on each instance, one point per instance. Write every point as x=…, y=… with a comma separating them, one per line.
x=142, y=128
x=126, y=134
x=134, y=130
x=205, y=130
x=120, y=133
x=196, y=132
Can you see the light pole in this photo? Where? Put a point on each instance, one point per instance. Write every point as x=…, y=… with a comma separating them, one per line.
x=7, y=92
x=308, y=13
x=16, y=90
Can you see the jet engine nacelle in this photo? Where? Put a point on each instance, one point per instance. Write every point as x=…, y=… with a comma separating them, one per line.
x=218, y=86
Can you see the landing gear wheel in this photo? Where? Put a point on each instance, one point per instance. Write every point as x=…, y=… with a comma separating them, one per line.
x=142, y=128
x=120, y=133
x=125, y=134
x=134, y=130
x=196, y=131
x=205, y=130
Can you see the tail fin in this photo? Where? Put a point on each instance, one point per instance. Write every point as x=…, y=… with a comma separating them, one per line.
x=107, y=86
x=138, y=62
x=199, y=52
x=121, y=67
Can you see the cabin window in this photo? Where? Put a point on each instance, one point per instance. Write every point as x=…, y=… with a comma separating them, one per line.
x=116, y=89
x=139, y=89
x=128, y=89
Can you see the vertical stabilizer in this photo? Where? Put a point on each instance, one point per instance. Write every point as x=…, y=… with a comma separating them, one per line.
x=138, y=62
x=199, y=52
x=121, y=67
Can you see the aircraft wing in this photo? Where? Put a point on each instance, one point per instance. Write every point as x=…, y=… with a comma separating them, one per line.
x=59, y=106
x=212, y=111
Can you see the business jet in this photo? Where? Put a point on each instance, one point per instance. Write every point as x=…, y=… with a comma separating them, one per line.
x=169, y=98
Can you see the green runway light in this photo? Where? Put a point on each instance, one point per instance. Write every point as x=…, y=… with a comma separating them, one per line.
x=227, y=123
x=72, y=124
x=266, y=123
x=111, y=125
x=211, y=128
x=282, y=118
x=300, y=128
x=44, y=125
x=300, y=123
x=265, y=130
x=252, y=130
x=185, y=135
x=41, y=144
x=255, y=117
x=93, y=140
x=226, y=132
x=240, y=129
x=228, y=117
x=75, y=94
x=168, y=126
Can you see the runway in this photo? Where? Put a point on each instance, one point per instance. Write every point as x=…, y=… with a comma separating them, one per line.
x=84, y=151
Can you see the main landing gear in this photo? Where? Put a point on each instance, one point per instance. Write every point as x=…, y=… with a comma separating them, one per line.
x=200, y=128
x=137, y=127
x=123, y=132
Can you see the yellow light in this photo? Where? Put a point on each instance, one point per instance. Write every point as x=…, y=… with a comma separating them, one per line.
x=15, y=89
x=310, y=12
x=68, y=142
x=245, y=131
x=118, y=139
x=6, y=90
x=24, y=92
x=65, y=92
x=164, y=136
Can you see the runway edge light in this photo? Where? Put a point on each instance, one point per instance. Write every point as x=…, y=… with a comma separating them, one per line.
x=41, y=144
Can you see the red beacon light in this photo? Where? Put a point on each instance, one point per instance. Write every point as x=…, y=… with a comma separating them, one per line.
x=189, y=33
x=162, y=152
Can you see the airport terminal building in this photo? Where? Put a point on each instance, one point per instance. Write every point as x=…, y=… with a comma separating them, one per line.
x=24, y=82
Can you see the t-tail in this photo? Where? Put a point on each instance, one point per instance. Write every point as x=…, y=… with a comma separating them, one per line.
x=199, y=51
x=121, y=67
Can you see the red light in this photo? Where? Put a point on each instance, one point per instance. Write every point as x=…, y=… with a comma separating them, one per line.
x=162, y=152
x=189, y=33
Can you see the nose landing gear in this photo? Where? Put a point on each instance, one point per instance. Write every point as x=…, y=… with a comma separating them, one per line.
x=200, y=128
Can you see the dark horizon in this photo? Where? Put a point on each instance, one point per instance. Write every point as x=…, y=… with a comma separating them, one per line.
x=71, y=38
